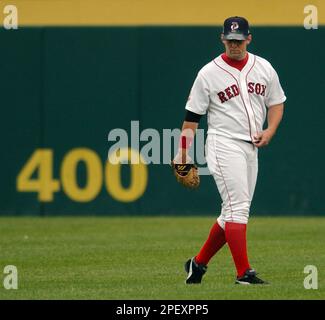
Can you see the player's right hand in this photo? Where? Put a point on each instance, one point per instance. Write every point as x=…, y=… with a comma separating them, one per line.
x=182, y=157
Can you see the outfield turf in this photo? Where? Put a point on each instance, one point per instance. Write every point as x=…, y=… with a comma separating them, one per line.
x=142, y=258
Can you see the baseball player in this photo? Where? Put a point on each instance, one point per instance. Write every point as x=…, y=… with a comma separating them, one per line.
x=238, y=90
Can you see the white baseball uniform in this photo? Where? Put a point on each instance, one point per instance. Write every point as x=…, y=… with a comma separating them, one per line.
x=236, y=104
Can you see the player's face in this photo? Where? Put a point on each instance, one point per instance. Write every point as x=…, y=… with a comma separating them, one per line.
x=236, y=49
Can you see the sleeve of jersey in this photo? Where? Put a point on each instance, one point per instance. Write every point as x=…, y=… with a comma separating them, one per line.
x=199, y=98
x=274, y=92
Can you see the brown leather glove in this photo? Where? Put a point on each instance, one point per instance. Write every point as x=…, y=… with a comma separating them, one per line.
x=186, y=174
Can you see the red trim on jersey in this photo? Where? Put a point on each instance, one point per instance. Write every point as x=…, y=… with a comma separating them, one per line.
x=249, y=94
x=249, y=122
x=238, y=64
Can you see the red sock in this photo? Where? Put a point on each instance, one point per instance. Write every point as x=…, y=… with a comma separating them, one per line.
x=236, y=238
x=215, y=241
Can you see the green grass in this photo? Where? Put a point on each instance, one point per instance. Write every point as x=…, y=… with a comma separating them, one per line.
x=143, y=257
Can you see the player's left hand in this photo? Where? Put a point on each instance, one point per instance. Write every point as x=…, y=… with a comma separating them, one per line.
x=263, y=138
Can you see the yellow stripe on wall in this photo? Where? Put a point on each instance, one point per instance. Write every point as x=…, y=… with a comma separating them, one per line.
x=161, y=12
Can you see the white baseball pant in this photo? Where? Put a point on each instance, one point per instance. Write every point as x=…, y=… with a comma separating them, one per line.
x=233, y=165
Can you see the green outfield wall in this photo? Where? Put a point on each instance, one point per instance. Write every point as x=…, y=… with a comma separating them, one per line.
x=64, y=89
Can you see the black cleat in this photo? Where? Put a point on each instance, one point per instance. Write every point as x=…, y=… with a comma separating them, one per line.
x=194, y=271
x=250, y=278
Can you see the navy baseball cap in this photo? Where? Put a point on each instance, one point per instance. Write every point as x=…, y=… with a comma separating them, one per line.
x=235, y=28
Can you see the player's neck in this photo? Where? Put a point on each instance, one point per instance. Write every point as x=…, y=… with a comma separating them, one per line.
x=238, y=64
x=243, y=57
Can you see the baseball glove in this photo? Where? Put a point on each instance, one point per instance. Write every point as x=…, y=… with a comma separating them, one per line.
x=186, y=174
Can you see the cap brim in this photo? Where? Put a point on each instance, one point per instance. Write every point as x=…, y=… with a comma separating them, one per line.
x=235, y=36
